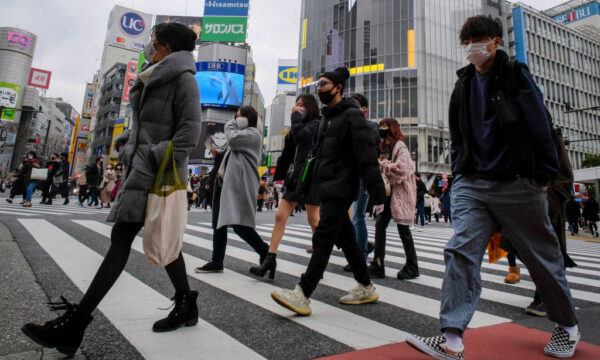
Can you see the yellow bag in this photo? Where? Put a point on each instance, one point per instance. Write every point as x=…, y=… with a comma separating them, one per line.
x=495, y=253
x=166, y=214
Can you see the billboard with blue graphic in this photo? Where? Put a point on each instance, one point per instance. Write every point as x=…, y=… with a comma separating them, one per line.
x=226, y=7
x=287, y=75
x=128, y=28
x=579, y=14
x=221, y=84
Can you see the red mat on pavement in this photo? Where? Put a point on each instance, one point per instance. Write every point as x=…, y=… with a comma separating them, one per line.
x=504, y=341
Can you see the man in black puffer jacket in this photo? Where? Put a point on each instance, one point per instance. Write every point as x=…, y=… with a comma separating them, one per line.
x=344, y=154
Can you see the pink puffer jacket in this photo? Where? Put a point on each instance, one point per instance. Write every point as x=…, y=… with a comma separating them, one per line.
x=401, y=173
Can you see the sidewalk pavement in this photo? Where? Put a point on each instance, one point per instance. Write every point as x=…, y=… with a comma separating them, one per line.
x=22, y=300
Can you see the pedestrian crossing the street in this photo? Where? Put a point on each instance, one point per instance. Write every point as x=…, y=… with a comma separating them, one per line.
x=404, y=306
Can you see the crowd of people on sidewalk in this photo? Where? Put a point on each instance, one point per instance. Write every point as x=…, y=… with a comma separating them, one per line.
x=508, y=163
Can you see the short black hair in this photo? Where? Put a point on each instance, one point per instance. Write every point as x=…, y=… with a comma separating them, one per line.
x=310, y=104
x=480, y=26
x=249, y=113
x=360, y=99
x=178, y=36
x=99, y=158
x=64, y=154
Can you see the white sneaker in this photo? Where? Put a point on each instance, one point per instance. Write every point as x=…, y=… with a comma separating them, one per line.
x=360, y=295
x=293, y=300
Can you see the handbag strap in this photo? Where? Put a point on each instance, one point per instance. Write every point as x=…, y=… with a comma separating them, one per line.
x=163, y=166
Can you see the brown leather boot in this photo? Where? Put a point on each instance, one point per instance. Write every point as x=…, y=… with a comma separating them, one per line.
x=514, y=275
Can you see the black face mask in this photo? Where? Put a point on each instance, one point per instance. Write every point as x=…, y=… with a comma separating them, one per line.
x=384, y=133
x=326, y=97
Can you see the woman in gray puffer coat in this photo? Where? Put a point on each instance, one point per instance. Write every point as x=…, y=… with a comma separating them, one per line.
x=166, y=107
x=237, y=203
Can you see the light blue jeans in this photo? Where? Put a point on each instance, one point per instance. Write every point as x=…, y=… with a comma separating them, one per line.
x=30, y=190
x=520, y=207
x=358, y=218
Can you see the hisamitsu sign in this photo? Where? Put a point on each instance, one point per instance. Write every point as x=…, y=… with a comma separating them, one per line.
x=226, y=7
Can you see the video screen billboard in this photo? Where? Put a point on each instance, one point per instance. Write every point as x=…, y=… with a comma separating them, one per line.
x=221, y=84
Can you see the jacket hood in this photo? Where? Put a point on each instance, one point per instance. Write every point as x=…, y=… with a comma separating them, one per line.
x=340, y=107
x=171, y=67
x=501, y=58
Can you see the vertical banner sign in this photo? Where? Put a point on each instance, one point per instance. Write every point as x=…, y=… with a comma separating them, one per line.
x=304, y=30
x=411, y=48
x=117, y=130
x=130, y=76
x=224, y=29
x=9, y=100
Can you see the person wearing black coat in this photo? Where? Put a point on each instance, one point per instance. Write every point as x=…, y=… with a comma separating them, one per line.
x=421, y=190
x=53, y=167
x=344, y=154
x=298, y=145
x=590, y=213
x=62, y=177
x=93, y=174
x=573, y=215
x=18, y=186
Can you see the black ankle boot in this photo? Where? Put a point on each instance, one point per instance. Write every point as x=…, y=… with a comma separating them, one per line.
x=377, y=269
x=184, y=313
x=269, y=264
x=65, y=332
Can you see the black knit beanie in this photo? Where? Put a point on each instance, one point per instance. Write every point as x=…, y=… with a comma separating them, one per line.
x=337, y=76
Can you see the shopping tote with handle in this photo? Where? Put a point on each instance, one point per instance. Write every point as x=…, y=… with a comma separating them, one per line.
x=166, y=214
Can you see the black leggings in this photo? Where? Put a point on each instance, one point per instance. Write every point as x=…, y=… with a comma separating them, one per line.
x=121, y=238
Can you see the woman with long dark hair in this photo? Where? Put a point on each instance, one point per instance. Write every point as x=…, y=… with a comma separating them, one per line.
x=32, y=162
x=299, y=142
x=399, y=169
x=170, y=113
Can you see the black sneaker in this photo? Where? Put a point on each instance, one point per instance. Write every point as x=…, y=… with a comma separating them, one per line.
x=561, y=344
x=376, y=270
x=536, y=308
x=435, y=347
x=405, y=275
x=209, y=267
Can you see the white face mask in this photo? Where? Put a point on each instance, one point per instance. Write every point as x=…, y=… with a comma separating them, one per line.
x=477, y=53
x=149, y=51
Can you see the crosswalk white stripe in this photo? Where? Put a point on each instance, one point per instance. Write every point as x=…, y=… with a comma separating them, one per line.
x=401, y=299
x=16, y=213
x=53, y=210
x=32, y=210
x=345, y=327
x=425, y=280
x=131, y=305
x=394, y=245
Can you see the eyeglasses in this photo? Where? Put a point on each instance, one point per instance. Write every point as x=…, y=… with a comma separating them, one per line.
x=322, y=84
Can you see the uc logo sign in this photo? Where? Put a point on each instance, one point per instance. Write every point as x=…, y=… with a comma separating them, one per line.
x=287, y=75
x=132, y=24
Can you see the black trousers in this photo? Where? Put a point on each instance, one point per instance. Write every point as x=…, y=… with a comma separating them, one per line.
x=18, y=188
x=336, y=228
x=112, y=266
x=381, y=224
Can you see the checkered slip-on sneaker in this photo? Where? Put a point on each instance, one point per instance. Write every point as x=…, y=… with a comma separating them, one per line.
x=435, y=347
x=561, y=344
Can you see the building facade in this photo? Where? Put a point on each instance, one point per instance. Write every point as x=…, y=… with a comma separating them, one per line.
x=402, y=55
x=565, y=63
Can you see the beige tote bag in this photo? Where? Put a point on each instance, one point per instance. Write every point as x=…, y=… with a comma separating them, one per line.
x=166, y=214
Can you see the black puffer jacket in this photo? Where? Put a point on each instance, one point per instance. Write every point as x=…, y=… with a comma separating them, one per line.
x=302, y=137
x=345, y=154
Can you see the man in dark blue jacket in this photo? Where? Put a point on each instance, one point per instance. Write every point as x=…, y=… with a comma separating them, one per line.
x=503, y=155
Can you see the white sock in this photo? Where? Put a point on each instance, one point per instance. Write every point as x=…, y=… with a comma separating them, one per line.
x=572, y=330
x=453, y=340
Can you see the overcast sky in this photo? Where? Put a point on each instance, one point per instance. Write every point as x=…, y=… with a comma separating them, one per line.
x=71, y=35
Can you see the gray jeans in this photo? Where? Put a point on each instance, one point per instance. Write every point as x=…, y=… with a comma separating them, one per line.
x=520, y=207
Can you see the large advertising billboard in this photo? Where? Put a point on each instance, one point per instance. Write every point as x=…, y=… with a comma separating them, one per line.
x=127, y=28
x=88, y=100
x=226, y=7
x=221, y=84
x=579, y=14
x=130, y=76
x=208, y=129
x=224, y=29
x=192, y=22
x=9, y=100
